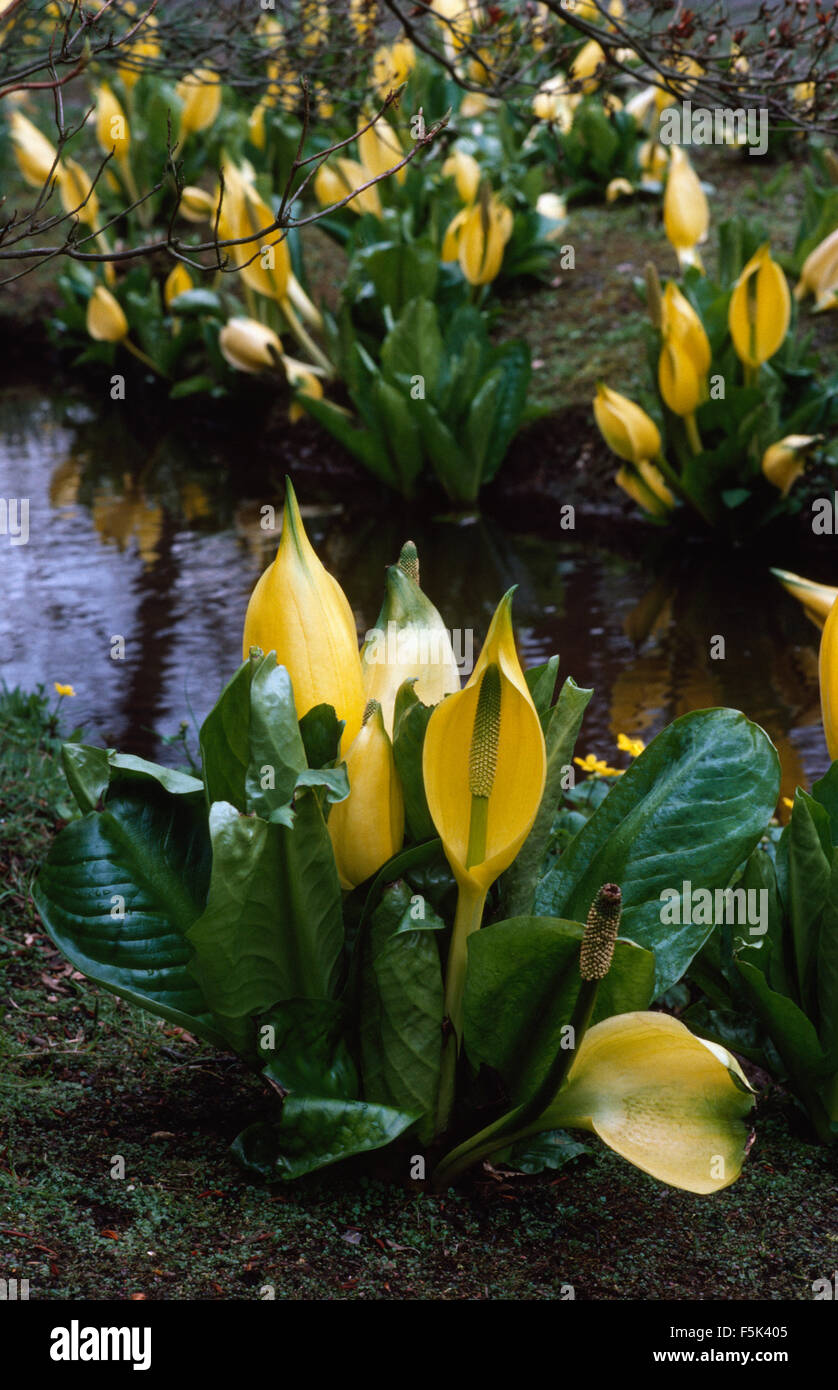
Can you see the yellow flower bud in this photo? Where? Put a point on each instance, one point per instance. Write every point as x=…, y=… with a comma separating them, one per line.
x=785, y=461
x=686, y=216
x=178, y=281
x=249, y=346
x=627, y=430
x=200, y=92
x=367, y=828
x=477, y=237
x=392, y=65
x=680, y=384
x=379, y=149
x=618, y=188
x=77, y=192
x=299, y=611
x=34, y=153
x=759, y=310
x=828, y=676
x=819, y=275
x=196, y=205
x=681, y=322
x=409, y=642
x=589, y=59
x=112, y=129
x=465, y=171
x=106, y=322
x=338, y=177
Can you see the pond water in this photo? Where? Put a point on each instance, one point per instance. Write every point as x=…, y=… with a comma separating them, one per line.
x=162, y=545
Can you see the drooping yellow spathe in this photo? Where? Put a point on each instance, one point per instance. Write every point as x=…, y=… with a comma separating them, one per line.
x=249, y=346
x=627, y=430
x=815, y=599
x=380, y=149
x=106, y=321
x=200, y=92
x=465, y=171
x=669, y=1102
x=36, y=157
x=112, y=129
x=586, y=64
x=680, y=384
x=409, y=642
x=819, y=274
x=392, y=65
x=760, y=309
x=784, y=462
x=520, y=767
x=339, y=177
x=686, y=216
x=300, y=612
x=477, y=237
x=178, y=281
x=367, y=828
x=681, y=322
x=828, y=677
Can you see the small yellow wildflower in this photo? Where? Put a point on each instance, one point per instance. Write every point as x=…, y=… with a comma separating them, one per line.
x=634, y=746
x=63, y=689
x=597, y=766
x=787, y=801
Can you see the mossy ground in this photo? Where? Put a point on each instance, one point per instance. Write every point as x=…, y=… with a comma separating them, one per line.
x=86, y=1079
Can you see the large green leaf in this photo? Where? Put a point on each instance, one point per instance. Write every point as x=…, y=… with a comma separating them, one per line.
x=401, y=1004
x=276, y=752
x=313, y=1132
x=225, y=741
x=795, y=1039
x=509, y=403
x=414, y=346
x=90, y=771
x=272, y=929
x=151, y=850
x=521, y=985
x=690, y=809
x=809, y=847
x=519, y=883
x=826, y=971
x=302, y=1043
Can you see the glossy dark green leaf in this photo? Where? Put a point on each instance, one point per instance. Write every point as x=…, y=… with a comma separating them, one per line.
x=809, y=868
x=691, y=809
x=225, y=741
x=147, y=853
x=541, y=683
x=273, y=928
x=90, y=771
x=521, y=985
x=302, y=1043
x=401, y=1004
x=313, y=1132
x=276, y=753
x=320, y=730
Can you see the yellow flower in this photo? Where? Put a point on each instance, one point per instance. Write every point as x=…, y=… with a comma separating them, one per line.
x=586, y=64
x=484, y=762
x=477, y=238
x=63, y=689
x=409, y=642
x=465, y=171
x=106, y=321
x=669, y=1102
x=338, y=177
x=112, y=129
x=379, y=149
x=77, y=192
x=598, y=767
x=815, y=599
x=686, y=216
x=249, y=346
x=627, y=430
x=788, y=803
x=784, y=462
x=362, y=17
x=828, y=677
x=680, y=384
x=196, y=205
x=300, y=612
x=178, y=281
x=256, y=126
x=200, y=92
x=367, y=828
x=819, y=274
x=634, y=746
x=682, y=323
x=303, y=379
x=647, y=488
x=552, y=102
x=618, y=188
x=265, y=261
x=392, y=65
x=34, y=153
x=760, y=309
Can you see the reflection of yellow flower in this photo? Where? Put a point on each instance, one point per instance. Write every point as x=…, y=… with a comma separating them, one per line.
x=635, y=746
x=63, y=689
x=597, y=766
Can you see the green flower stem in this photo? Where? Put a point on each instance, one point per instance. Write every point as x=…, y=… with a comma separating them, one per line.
x=678, y=488
x=750, y=374
x=470, y=903
x=692, y=433
x=523, y=1119
x=142, y=356
x=304, y=337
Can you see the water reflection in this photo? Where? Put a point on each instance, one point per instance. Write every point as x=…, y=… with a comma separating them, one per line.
x=162, y=546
